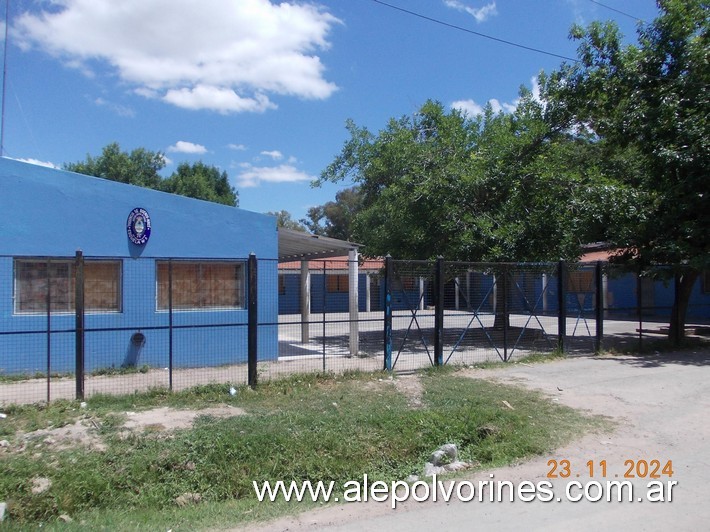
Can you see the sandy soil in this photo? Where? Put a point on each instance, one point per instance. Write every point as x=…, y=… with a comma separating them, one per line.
x=85, y=432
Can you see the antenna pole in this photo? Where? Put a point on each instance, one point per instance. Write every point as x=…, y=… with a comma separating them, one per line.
x=4, y=77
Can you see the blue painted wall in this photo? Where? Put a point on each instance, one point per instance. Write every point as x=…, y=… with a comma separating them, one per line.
x=52, y=213
x=526, y=295
x=289, y=301
x=622, y=294
x=334, y=301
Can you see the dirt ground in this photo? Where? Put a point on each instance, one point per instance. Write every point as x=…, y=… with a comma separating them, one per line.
x=85, y=432
x=661, y=406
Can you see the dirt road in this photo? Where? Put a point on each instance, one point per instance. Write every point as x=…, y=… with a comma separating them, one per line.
x=662, y=408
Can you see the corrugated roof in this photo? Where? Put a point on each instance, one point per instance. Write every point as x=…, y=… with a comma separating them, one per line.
x=335, y=263
x=296, y=245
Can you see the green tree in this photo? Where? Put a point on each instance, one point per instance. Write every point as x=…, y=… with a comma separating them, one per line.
x=496, y=187
x=285, y=219
x=335, y=219
x=140, y=167
x=651, y=99
x=201, y=181
x=407, y=177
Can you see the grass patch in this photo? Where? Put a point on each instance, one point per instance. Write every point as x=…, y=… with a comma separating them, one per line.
x=21, y=377
x=306, y=427
x=28, y=418
x=121, y=370
x=533, y=358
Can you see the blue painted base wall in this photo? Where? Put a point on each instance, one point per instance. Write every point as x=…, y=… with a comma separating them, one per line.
x=212, y=338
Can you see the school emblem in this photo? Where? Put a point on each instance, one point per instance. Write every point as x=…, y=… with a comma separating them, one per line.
x=138, y=226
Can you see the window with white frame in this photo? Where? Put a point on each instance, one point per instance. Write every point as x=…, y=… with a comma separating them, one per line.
x=36, y=279
x=201, y=285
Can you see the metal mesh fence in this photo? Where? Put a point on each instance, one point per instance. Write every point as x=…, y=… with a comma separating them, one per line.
x=638, y=306
x=321, y=328
x=167, y=323
x=79, y=326
x=497, y=312
x=36, y=329
x=581, y=306
x=412, y=303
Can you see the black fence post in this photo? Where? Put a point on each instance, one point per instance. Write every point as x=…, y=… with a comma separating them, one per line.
x=170, y=324
x=253, y=317
x=506, y=318
x=599, y=305
x=324, y=299
x=48, y=301
x=675, y=323
x=79, y=329
x=639, y=306
x=439, y=312
x=388, y=313
x=562, y=305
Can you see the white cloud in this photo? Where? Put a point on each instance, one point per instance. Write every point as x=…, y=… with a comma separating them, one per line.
x=222, y=55
x=223, y=100
x=481, y=14
x=182, y=146
x=237, y=147
x=252, y=176
x=468, y=107
x=147, y=93
x=37, y=162
x=535, y=89
x=274, y=154
x=498, y=106
x=579, y=11
x=472, y=108
x=120, y=110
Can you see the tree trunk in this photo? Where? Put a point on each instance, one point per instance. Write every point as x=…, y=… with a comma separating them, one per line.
x=684, y=283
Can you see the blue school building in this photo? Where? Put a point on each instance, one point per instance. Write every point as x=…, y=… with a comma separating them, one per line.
x=149, y=259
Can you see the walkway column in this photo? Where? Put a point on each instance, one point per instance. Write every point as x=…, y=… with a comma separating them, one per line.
x=353, y=302
x=305, y=301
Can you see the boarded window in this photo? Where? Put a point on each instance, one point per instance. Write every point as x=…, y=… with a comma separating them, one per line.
x=102, y=286
x=580, y=281
x=409, y=283
x=337, y=283
x=201, y=285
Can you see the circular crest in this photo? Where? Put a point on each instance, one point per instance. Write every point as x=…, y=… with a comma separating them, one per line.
x=138, y=226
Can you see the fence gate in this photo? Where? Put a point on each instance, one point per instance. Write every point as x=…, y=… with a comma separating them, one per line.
x=498, y=311
x=411, y=295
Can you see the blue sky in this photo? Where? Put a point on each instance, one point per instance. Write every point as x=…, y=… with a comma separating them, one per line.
x=262, y=89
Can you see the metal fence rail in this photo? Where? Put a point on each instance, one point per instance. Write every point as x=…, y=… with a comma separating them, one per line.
x=72, y=327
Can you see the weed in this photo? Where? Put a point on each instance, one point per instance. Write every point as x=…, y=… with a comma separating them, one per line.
x=122, y=370
x=317, y=427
